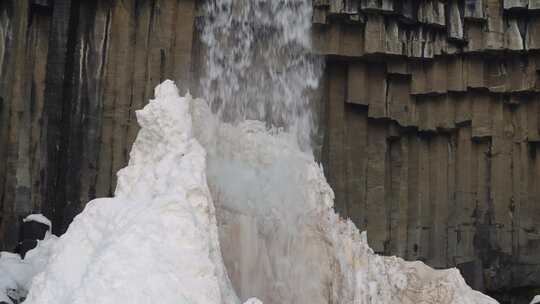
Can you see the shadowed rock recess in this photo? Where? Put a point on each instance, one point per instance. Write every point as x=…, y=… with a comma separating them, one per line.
x=429, y=110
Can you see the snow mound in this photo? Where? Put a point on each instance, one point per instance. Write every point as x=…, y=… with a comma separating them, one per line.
x=16, y=273
x=156, y=240
x=535, y=300
x=281, y=239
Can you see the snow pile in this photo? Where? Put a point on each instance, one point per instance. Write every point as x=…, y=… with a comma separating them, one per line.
x=156, y=240
x=535, y=300
x=281, y=239
x=15, y=273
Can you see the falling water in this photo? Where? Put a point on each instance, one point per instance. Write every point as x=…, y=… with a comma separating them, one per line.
x=259, y=65
x=280, y=239
x=258, y=75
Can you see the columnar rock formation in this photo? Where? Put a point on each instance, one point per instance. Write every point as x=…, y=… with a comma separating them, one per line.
x=432, y=130
x=430, y=112
x=72, y=75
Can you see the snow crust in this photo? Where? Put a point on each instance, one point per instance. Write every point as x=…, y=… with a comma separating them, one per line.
x=39, y=218
x=158, y=239
x=16, y=274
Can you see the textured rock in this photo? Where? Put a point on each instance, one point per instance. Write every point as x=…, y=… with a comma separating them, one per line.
x=448, y=172
x=71, y=76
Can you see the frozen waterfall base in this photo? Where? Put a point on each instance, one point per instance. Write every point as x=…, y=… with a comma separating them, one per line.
x=157, y=239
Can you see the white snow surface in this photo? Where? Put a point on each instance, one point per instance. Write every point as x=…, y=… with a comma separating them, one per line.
x=157, y=240
x=16, y=274
x=535, y=300
x=39, y=218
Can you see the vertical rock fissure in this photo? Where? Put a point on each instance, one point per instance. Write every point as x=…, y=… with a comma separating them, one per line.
x=59, y=81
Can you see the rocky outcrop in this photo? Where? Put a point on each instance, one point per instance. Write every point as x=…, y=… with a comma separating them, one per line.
x=72, y=74
x=432, y=130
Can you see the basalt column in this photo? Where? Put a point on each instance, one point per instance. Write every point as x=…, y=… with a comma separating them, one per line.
x=72, y=75
x=432, y=131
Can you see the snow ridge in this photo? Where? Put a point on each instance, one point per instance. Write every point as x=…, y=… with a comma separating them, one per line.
x=156, y=240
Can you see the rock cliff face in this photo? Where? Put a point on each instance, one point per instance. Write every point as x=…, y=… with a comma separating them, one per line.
x=430, y=111
x=72, y=74
x=432, y=130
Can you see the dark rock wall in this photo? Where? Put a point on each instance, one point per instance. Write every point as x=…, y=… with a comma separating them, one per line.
x=433, y=131
x=72, y=75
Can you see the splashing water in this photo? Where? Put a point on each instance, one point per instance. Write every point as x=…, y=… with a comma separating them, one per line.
x=258, y=74
x=259, y=65
x=280, y=239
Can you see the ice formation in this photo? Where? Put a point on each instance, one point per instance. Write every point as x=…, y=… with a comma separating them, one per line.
x=156, y=240
x=16, y=274
x=280, y=237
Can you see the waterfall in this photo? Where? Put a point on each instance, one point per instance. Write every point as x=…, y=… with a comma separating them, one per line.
x=280, y=239
x=259, y=64
x=259, y=69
